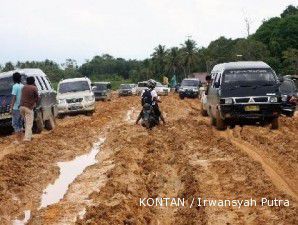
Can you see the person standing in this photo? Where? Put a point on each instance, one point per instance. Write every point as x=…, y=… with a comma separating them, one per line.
x=28, y=103
x=17, y=121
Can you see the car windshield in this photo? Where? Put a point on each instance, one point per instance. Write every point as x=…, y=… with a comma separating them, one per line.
x=249, y=77
x=73, y=86
x=6, y=85
x=287, y=87
x=100, y=87
x=125, y=86
x=192, y=83
x=142, y=84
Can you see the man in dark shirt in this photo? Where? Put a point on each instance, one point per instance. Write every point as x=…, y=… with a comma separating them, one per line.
x=28, y=102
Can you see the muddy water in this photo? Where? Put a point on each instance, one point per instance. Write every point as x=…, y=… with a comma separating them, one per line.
x=68, y=172
x=27, y=215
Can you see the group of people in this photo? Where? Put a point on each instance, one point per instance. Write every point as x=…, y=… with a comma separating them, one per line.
x=24, y=99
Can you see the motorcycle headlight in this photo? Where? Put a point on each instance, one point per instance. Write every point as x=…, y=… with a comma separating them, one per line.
x=62, y=101
x=273, y=99
x=89, y=98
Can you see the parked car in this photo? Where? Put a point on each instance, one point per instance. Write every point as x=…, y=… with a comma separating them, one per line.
x=75, y=96
x=189, y=88
x=141, y=87
x=161, y=89
x=46, y=109
x=288, y=90
x=242, y=93
x=102, y=91
x=127, y=90
x=177, y=86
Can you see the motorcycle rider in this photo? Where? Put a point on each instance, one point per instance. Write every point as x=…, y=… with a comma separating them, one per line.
x=150, y=96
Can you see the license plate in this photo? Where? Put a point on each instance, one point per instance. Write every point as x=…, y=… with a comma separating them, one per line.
x=75, y=107
x=252, y=108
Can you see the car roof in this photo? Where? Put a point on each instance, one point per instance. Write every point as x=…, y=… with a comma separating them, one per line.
x=103, y=82
x=27, y=72
x=75, y=79
x=240, y=65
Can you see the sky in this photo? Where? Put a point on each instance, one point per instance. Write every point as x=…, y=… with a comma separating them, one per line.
x=131, y=29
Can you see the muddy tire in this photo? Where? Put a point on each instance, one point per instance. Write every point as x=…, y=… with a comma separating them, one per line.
x=212, y=121
x=61, y=116
x=274, y=124
x=220, y=123
x=89, y=113
x=203, y=111
x=50, y=123
x=181, y=97
x=38, y=124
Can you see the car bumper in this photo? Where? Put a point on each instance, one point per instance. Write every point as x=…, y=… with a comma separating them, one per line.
x=239, y=112
x=125, y=93
x=71, y=108
x=191, y=94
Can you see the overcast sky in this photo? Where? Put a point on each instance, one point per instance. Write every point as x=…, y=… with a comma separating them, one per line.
x=80, y=29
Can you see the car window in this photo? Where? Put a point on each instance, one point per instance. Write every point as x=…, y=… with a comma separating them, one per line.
x=44, y=83
x=38, y=83
x=74, y=86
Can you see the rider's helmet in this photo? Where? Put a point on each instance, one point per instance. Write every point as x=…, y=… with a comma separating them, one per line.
x=151, y=83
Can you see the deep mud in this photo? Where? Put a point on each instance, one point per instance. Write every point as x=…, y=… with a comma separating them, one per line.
x=185, y=158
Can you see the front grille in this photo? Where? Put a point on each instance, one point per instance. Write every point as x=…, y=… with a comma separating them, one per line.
x=242, y=100
x=261, y=99
x=74, y=100
x=248, y=100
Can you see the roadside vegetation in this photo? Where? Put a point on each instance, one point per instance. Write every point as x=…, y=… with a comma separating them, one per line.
x=275, y=42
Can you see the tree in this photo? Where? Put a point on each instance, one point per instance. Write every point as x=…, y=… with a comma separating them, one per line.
x=7, y=67
x=189, y=54
x=289, y=11
x=159, y=60
x=290, y=62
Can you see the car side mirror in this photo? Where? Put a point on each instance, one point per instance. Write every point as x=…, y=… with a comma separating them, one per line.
x=281, y=79
x=216, y=84
x=93, y=88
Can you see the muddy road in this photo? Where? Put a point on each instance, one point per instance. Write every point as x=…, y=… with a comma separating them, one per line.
x=95, y=170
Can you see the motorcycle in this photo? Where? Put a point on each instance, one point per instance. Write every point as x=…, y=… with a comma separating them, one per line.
x=149, y=119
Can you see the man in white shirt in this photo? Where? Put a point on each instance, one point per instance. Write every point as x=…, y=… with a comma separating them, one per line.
x=150, y=96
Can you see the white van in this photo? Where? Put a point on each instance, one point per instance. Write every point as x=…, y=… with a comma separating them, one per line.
x=75, y=95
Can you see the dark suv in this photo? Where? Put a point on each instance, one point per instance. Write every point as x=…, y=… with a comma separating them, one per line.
x=46, y=109
x=243, y=93
x=189, y=88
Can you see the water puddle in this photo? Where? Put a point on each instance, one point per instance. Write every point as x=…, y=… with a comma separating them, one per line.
x=129, y=115
x=68, y=172
x=27, y=214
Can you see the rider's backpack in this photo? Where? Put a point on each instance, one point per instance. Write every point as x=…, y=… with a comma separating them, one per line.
x=147, y=97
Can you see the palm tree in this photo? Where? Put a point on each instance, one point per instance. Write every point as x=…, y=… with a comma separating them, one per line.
x=159, y=59
x=189, y=54
x=173, y=60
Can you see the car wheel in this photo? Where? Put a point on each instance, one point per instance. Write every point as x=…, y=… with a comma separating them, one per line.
x=89, y=113
x=220, y=123
x=50, y=123
x=38, y=124
x=203, y=111
x=274, y=124
x=181, y=97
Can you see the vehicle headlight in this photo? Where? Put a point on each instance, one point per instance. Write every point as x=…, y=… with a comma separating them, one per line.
x=89, y=98
x=62, y=101
x=195, y=89
x=227, y=101
x=273, y=99
x=284, y=98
